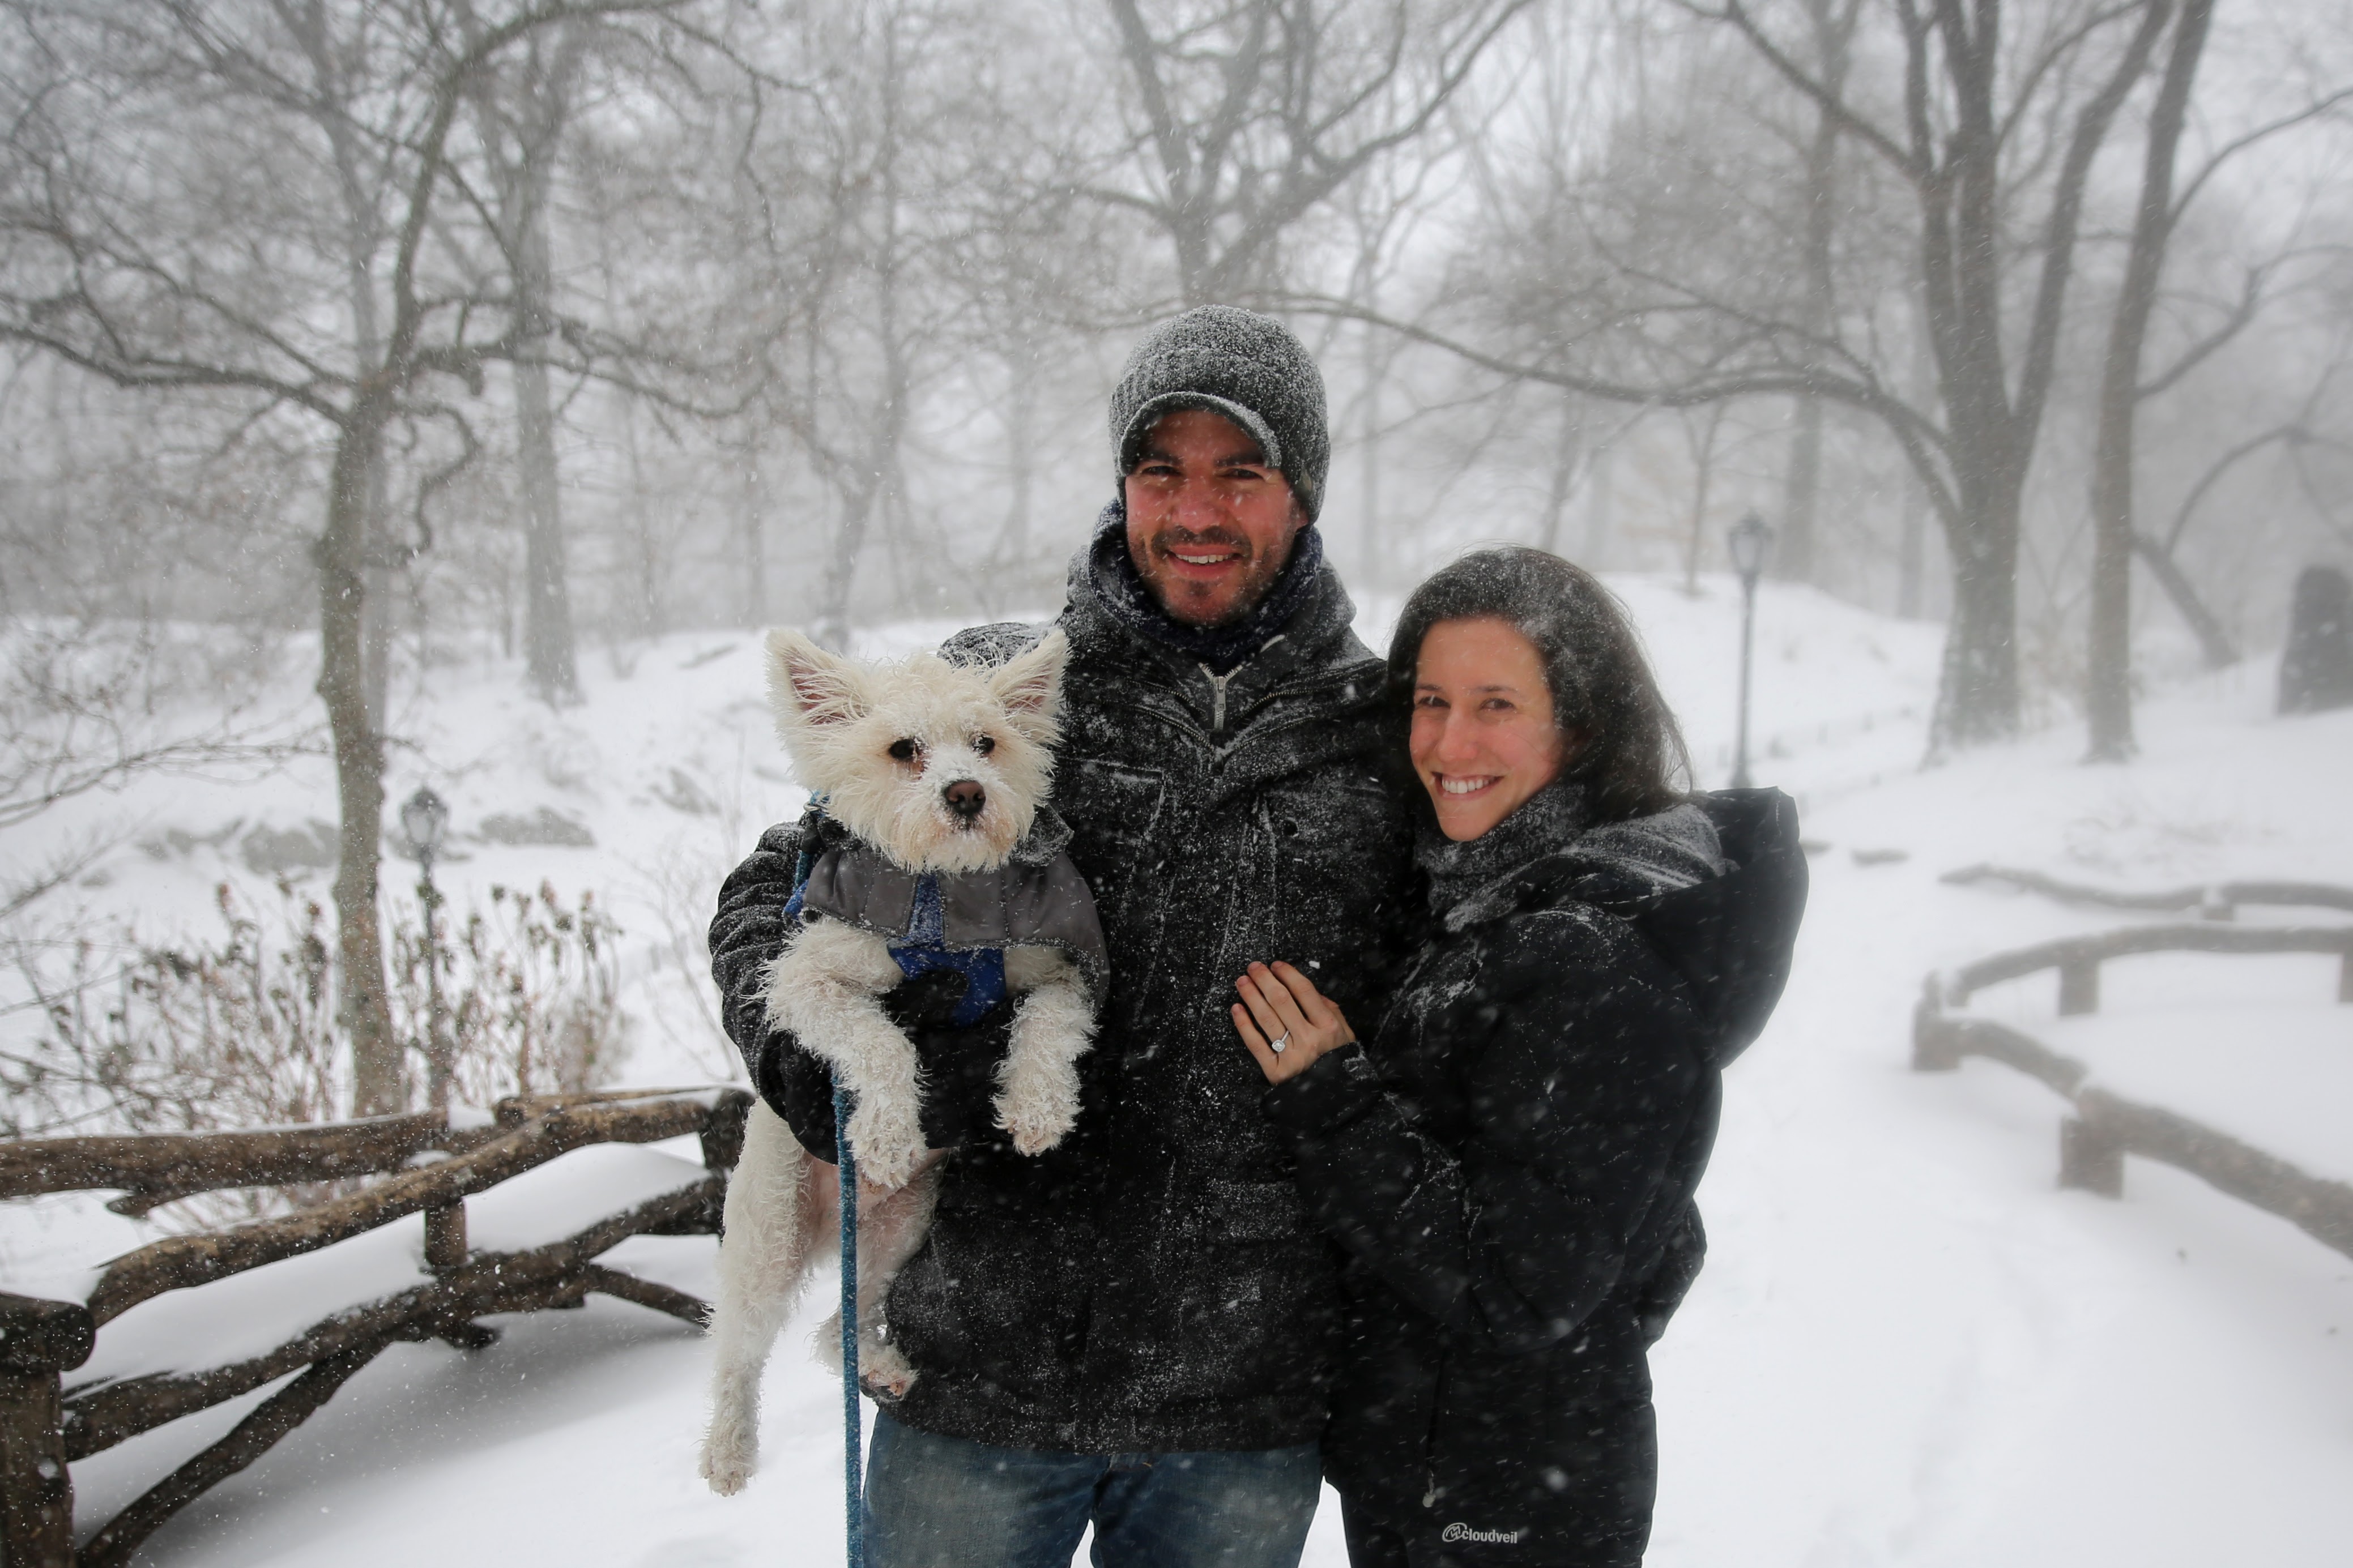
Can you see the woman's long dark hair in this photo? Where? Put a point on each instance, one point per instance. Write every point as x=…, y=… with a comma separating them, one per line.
x=1633, y=760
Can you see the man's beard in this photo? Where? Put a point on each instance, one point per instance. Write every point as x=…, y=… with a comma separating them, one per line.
x=1177, y=596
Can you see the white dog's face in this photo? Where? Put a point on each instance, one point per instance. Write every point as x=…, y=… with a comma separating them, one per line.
x=940, y=767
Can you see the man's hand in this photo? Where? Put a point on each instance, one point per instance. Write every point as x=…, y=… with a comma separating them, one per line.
x=1285, y=1022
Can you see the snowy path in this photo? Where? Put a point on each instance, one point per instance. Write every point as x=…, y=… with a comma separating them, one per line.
x=1908, y=1348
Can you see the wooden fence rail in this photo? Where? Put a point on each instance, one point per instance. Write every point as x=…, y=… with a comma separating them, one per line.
x=2213, y=900
x=2078, y=958
x=45, y=1428
x=2105, y=1127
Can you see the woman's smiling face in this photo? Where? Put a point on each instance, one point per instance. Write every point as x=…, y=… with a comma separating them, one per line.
x=1483, y=738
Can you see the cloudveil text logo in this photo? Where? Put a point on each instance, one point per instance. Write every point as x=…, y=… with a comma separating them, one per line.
x=1458, y=1531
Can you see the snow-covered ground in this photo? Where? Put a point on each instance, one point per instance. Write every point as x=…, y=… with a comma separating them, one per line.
x=1908, y=1347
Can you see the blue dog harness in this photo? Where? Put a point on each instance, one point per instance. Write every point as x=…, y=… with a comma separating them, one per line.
x=925, y=950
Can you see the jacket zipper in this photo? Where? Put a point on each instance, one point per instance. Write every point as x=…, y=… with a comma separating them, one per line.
x=1218, y=697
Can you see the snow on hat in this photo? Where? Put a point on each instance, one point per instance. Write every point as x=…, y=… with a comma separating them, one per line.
x=1235, y=362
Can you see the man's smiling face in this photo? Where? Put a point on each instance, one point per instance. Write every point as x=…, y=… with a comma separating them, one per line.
x=1209, y=521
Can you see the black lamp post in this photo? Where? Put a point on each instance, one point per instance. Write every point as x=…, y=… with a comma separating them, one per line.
x=425, y=819
x=1751, y=542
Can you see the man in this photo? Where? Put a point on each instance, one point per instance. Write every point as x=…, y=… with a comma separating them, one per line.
x=1136, y=1330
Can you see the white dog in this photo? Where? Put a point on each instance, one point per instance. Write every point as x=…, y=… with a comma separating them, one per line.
x=933, y=848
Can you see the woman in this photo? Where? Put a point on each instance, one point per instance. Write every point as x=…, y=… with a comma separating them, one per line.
x=1510, y=1163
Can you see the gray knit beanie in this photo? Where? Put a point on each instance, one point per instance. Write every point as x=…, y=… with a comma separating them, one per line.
x=1239, y=364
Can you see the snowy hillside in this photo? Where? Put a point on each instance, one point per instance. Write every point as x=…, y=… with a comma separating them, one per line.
x=1908, y=1347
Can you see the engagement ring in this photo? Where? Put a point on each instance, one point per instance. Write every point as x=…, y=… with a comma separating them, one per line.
x=1277, y=1047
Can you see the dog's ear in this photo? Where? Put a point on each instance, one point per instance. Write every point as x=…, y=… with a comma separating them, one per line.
x=811, y=686
x=1030, y=687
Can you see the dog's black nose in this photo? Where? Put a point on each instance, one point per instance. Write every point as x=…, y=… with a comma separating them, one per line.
x=966, y=798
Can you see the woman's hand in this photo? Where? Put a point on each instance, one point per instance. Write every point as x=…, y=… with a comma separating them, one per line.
x=1285, y=1021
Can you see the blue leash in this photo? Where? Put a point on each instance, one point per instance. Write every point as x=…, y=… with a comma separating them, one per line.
x=853, y=1484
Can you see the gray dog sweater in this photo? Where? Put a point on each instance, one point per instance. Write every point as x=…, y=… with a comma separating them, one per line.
x=1036, y=898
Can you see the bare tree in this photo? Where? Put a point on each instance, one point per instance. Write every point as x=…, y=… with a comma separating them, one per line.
x=333, y=65
x=2109, y=672
x=2160, y=552
x=153, y=283
x=1993, y=139
x=521, y=106
x=1832, y=25
x=1249, y=117
x=1968, y=101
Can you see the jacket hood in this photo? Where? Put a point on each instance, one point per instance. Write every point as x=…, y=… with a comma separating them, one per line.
x=1717, y=885
x=1730, y=936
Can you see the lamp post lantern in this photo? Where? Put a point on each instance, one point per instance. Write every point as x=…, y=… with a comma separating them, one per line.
x=1751, y=542
x=425, y=819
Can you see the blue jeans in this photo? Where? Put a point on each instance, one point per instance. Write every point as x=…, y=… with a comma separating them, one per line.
x=944, y=1502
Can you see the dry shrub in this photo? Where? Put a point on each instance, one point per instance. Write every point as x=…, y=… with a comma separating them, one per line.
x=239, y=1029
x=530, y=990
x=236, y=1031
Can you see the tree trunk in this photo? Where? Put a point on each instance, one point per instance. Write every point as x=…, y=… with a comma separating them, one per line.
x=874, y=482
x=375, y=632
x=1563, y=479
x=548, y=649
x=1911, y=550
x=648, y=609
x=1009, y=581
x=535, y=118
x=1703, y=457
x=1991, y=427
x=1793, y=555
x=362, y=1005
x=832, y=619
x=1977, y=698
x=752, y=526
x=2108, y=689
x=1376, y=568
x=1601, y=486
x=1912, y=544
x=357, y=182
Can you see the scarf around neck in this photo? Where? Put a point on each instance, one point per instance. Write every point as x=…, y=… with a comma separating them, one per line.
x=1472, y=881
x=1545, y=823
x=1223, y=648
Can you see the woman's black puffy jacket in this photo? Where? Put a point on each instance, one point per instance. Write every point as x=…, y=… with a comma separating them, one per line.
x=1509, y=1165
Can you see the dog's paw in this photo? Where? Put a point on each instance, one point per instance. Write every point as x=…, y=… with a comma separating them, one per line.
x=883, y=1373
x=1034, y=1135
x=1038, y=1099
x=727, y=1465
x=887, y=1142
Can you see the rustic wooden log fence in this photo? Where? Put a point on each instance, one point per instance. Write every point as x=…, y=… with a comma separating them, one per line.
x=2211, y=901
x=45, y=1426
x=2105, y=1127
x=2078, y=958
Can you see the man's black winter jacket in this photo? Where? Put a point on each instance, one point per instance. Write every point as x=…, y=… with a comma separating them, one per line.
x=1154, y=1283
x=1511, y=1165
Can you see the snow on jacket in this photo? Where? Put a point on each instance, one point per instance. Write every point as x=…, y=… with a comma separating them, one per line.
x=1510, y=1162
x=1154, y=1283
